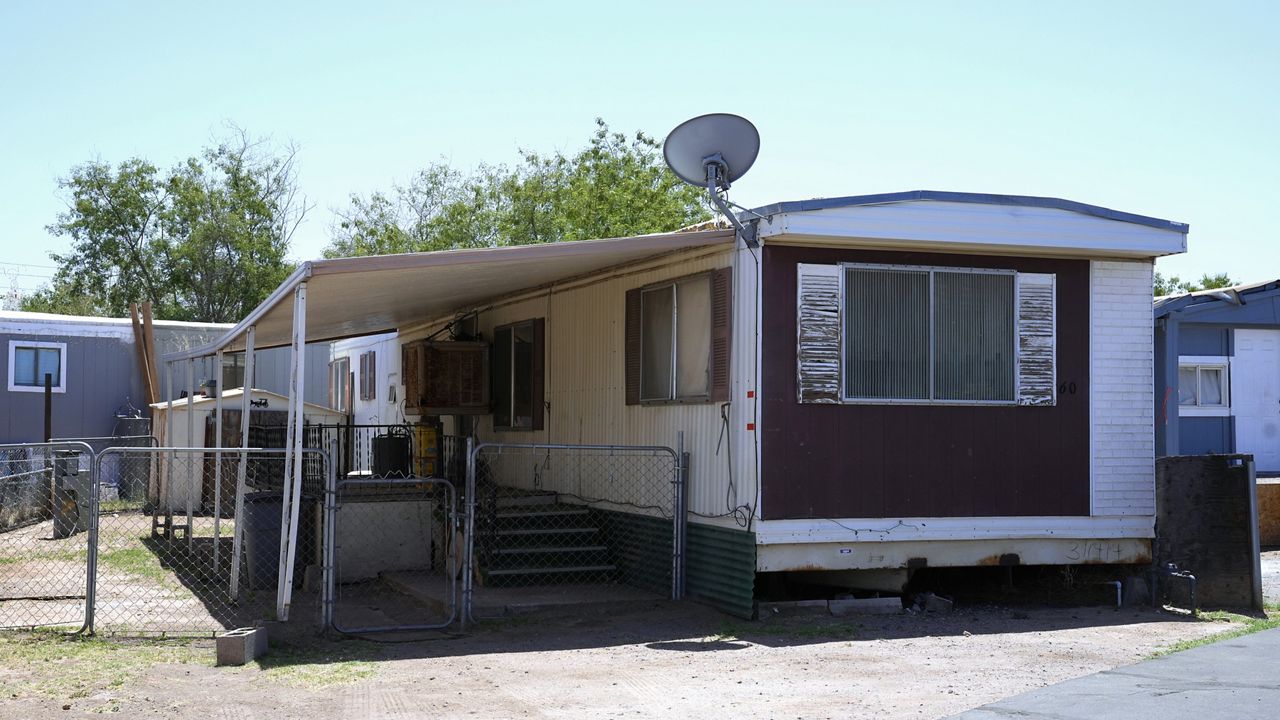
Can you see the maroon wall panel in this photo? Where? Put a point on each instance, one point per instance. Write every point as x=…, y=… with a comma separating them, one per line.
x=922, y=460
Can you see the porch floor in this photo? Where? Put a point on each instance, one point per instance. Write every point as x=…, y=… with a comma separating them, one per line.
x=494, y=602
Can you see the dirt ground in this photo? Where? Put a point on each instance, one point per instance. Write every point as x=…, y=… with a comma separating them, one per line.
x=663, y=660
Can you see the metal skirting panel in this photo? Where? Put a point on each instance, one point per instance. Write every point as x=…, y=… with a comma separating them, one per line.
x=952, y=553
x=720, y=569
x=644, y=560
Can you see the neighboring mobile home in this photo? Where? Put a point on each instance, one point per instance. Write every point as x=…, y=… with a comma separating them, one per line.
x=884, y=383
x=1217, y=384
x=96, y=371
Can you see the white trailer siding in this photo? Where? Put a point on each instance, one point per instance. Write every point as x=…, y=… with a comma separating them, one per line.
x=1122, y=373
x=585, y=377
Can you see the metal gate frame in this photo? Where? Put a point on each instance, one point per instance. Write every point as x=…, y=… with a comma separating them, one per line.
x=87, y=624
x=679, y=508
x=330, y=550
x=289, y=535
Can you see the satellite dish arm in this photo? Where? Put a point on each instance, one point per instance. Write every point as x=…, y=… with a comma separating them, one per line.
x=716, y=177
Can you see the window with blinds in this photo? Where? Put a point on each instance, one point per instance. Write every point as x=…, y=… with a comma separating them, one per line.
x=928, y=334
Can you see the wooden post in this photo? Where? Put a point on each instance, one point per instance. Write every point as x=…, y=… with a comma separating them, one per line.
x=149, y=335
x=144, y=358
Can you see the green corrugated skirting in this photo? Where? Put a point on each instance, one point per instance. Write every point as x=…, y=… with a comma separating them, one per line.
x=720, y=569
x=641, y=548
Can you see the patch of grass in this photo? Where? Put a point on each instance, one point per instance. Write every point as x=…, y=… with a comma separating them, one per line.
x=1245, y=625
x=48, y=555
x=138, y=561
x=76, y=666
x=321, y=664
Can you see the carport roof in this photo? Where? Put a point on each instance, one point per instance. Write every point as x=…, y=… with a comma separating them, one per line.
x=348, y=297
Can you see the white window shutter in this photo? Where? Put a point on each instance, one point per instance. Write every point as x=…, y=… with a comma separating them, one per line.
x=818, y=305
x=1037, y=321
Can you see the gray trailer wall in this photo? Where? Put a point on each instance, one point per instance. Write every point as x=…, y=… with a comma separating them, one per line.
x=102, y=376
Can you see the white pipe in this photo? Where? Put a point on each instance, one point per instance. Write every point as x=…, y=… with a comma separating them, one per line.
x=217, y=458
x=192, y=476
x=300, y=275
x=168, y=470
x=246, y=398
x=288, y=542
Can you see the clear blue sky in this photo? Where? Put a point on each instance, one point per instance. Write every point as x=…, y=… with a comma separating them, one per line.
x=1161, y=108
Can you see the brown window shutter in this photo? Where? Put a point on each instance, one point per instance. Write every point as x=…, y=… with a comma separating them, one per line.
x=332, y=396
x=632, y=347
x=373, y=375
x=538, y=370
x=721, y=332
x=409, y=375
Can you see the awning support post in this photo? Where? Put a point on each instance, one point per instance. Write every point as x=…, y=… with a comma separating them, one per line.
x=217, y=459
x=293, y=455
x=246, y=399
x=193, y=478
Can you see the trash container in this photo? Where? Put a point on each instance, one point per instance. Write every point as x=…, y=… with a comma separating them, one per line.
x=261, y=523
x=72, y=495
x=134, y=468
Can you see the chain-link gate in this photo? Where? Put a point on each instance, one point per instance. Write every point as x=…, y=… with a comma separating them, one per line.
x=587, y=521
x=396, y=553
x=46, y=494
x=192, y=544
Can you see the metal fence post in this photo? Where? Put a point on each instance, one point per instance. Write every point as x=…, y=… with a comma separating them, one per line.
x=677, y=511
x=330, y=537
x=468, y=534
x=91, y=566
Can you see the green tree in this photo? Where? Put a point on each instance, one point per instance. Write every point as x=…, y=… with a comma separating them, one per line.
x=205, y=241
x=1174, y=285
x=617, y=185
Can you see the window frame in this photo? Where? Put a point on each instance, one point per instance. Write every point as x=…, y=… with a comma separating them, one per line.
x=673, y=283
x=60, y=386
x=341, y=394
x=535, y=411
x=931, y=270
x=1221, y=365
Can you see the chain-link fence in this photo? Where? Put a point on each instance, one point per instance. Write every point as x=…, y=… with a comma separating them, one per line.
x=397, y=549
x=152, y=540
x=572, y=517
x=195, y=544
x=45, y=514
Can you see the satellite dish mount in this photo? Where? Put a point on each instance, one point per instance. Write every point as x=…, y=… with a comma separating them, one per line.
x=712, y=151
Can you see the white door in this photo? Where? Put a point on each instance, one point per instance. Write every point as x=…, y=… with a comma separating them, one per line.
x=1255, y=396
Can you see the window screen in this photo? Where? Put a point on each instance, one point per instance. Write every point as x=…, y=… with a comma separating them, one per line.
x=931, y=334
x=886, y=339
x=973, y=336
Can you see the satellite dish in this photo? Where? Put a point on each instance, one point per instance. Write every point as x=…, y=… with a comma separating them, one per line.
x=712, y=151
x=721, y=143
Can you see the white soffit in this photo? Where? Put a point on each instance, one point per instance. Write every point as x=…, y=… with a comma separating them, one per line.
x=973, y=227
x=361, y=296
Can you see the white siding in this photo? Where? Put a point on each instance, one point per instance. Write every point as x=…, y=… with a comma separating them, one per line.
x=964, y=227
x=1121, y=369
x=585, y=381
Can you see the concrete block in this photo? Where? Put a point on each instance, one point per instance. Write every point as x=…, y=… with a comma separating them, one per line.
x=865, y=606
x=1134, y=592
x=242, y=645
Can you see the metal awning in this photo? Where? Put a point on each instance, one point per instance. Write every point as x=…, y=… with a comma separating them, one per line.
x=349, y=297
